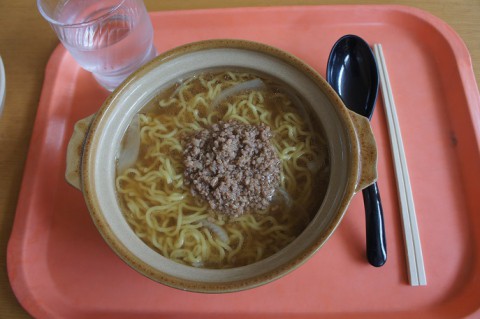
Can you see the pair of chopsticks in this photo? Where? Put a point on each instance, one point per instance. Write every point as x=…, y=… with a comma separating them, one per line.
x=416, y=268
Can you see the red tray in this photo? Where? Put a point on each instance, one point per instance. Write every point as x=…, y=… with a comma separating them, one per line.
x=60, y=267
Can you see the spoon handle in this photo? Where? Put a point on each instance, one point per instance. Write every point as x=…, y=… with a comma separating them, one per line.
x=375, y=229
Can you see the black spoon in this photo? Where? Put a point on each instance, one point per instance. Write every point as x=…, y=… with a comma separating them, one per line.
x=353, y=74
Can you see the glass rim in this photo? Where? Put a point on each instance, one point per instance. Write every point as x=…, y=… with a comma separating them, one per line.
x=80, y=24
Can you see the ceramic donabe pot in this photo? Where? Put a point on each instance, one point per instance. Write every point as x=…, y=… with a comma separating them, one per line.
x=91, y=161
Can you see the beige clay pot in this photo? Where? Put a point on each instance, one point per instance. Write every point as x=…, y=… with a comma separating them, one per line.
x=91, y=161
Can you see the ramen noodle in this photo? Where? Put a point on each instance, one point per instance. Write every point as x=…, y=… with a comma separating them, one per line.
x=159, y=205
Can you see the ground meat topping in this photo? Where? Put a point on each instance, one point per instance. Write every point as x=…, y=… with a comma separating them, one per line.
x=233, y=166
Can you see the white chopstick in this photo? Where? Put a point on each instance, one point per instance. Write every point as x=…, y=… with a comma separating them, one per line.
x=416, y=268
x=2, y=85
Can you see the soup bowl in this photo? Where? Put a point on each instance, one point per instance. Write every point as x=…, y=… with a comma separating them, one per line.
x=95, y=143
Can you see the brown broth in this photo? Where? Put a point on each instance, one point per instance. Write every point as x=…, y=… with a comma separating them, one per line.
x=297, y=217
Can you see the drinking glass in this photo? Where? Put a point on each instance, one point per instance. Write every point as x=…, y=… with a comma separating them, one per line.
x=110, y=38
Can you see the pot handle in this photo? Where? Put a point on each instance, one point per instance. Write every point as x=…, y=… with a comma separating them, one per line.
x=367, y=151
x=75, y=151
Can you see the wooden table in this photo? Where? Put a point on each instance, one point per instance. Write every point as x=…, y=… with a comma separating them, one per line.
x=26, y=42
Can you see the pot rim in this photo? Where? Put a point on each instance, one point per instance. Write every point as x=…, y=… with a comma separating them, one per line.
x=133, y=261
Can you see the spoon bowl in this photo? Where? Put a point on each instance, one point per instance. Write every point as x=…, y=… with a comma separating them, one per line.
x=353, y=74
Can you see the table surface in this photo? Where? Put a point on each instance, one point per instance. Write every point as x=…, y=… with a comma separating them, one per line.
x=26, y=42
